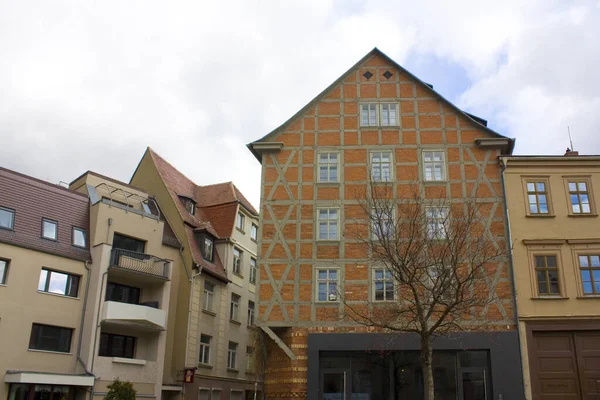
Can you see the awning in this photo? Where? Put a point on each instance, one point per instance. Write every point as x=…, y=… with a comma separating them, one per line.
x=45, y=378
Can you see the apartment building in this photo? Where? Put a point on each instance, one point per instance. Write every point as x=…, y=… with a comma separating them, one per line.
x=44, y=273
x=214, y=334
x=553, y=214
x=135, y=259
x=377, y=123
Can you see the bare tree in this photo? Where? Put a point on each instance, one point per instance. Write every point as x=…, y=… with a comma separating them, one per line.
x=433, y=256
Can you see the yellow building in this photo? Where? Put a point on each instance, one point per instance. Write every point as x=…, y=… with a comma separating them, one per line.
x=555, y=236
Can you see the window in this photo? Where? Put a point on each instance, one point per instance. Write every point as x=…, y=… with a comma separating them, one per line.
x=442, y=282
x=58, y=283
x=122, y=293
x=207, y=249
x=434, y=166
x=381, y=166
x=253, y=271
x=234, y=309
x=328, y=167
x=590, y=273
x=7, y=218
x=209, y=292
x=3, y=271
x=249, y=358
x=116, y=346
x=205, y=349
x=204, y=394
x=190, y=206
x=254, y=232
x=79, y=237
x=49, y=229
x=368, y=114
x=237, y=261
x=436, y=222
x=546, y=271
x=250, y=313
x=232, y=355
x=580, y=198
x=128, y=243
x=327, y=284
x=383, y=284
x=240, y=221
x=50, y=338
x=537, y=197
x=382, y=223
x=389, y=114
x=328, y=223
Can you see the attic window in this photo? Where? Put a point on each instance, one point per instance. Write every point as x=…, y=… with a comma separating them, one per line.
x=189, y=204
x=368, y=75
x=207, y=248
x=387, y=74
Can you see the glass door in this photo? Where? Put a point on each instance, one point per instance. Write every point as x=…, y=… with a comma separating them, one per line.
x=472, y=385
x=334, y=384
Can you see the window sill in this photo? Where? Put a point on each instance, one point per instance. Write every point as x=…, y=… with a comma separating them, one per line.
x=232, y=370
x=133, y=361
x=328, y=183
x=382, y=183
x=49, y=239
x=233, y=321
x=328, y=241
x=3, y=284
x=212, y=313
x=540, y=215
x=58, y=295
x=589, y=297
x=238, y=275
x=205, y=366
x=240, y=230
x=3, y=228
x=549, y=298
x=582, y=215
x=370, y=127
x=51, y=352
x=254, y=240
x=79, y=247
x=325, y=302
x=442, y=182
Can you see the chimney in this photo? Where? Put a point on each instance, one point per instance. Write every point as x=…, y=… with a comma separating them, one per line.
x=571, y=153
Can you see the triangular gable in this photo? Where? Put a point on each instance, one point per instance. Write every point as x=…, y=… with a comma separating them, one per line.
x=375, y=52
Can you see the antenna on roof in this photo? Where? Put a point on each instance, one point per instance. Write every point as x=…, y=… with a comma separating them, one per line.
x=570, y=140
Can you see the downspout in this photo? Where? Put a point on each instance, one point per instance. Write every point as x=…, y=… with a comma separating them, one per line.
x=512, y=272
x=87, y=288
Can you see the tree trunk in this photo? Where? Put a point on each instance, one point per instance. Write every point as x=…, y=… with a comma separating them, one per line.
x=427, y=366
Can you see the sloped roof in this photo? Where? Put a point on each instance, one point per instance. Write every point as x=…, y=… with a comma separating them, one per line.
x=479, y=122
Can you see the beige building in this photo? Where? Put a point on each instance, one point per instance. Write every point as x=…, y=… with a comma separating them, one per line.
x=44, y=274
x=553, y=215
x=214, y=331
x=135, y=257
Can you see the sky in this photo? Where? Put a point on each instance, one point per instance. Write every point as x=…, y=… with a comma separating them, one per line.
x=88, y=85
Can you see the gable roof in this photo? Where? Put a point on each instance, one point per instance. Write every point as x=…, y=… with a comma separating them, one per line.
x=215, y=212
x=479, y=122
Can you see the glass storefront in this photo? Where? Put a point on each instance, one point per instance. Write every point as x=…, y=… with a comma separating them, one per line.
x=397, y=375
x=24, y=391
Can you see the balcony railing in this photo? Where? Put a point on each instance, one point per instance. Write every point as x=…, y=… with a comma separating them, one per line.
x=139, y=262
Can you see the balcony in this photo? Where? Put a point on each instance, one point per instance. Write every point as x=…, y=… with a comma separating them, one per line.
x=140, y=263
x=134, y=315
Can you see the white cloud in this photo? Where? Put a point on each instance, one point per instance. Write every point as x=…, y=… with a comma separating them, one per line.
x=89, y=84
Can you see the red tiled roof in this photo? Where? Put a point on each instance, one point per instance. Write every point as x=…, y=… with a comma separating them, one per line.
x=216, y=208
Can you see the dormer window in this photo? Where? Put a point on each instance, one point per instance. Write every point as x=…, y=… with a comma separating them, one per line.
x=240, y=221
x=189, y=204
x=208, y=248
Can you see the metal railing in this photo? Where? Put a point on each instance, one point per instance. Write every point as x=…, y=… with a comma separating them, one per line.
x=139, y=262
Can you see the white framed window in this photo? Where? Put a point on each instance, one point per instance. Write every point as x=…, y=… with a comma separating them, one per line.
x=328, y=221
x=3, y=271
x=579, y=197
x=209, y=294
x=254, y=232
x=382, y=223
x=329, y=167
x=249, y=358
x=240, y=221
x=537, y=197
x=383, y=285
x=7, y=218
x=253, y=271
x=368, y=114
x=327, y=284
x=232, y=355
x=237, y=261
x=437, y=218
x=49, y=229
x=434, y=166
x=205, y=342
x=441, y=281
x=234, y=309
x=208, y=248
x=389, y=114
x=381, y=166
x=250, y=313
